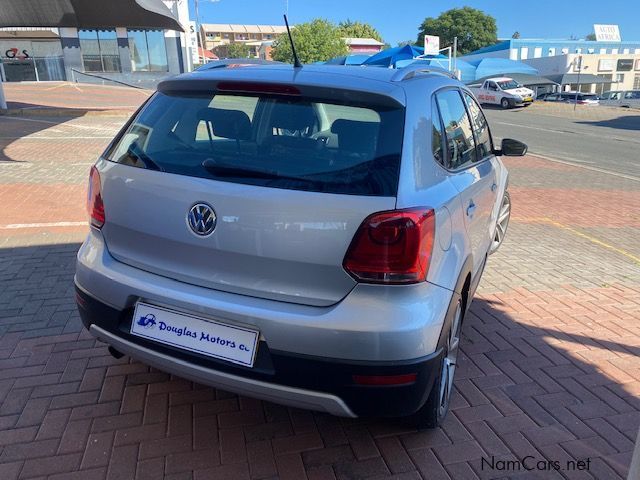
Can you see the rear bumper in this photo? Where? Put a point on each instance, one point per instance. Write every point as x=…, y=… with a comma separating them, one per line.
x=295, y=380
x=373, y=323
x=297, y=397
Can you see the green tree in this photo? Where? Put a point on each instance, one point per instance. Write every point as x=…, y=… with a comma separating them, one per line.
x=237, y=50
x=316, y=41
x=515, y=35
x=351, y=29
x=591, y=37
x=406, y=42
x=474, y=29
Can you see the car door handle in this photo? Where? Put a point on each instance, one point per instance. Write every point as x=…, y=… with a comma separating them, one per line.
x=494, y=187
x=471, y=209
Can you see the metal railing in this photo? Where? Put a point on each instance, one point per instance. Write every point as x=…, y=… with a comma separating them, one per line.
x=75, y=80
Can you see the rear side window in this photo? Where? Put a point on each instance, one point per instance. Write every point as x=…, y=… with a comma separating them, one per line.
x=274, y=141
x=457, y=127
x=437, y=135
x=480, y=127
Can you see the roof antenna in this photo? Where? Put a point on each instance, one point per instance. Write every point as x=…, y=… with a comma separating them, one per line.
x=296, y=60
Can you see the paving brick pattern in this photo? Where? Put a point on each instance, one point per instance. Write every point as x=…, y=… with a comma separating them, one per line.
x=57, y=96
x=549, y=368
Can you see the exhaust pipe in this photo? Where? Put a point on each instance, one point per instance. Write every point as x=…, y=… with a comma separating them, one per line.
x=115, y=353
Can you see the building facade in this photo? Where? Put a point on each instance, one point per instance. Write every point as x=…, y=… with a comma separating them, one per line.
x=217, y=35
x=525, y=49
x=620, y=71
x=31, y=54
x=368, y=46
x=124, y=54
x=615, y=64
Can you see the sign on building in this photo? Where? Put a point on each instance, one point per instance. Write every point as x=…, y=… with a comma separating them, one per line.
x=625, y=65
x=606, y=65
x=192, y=36
x=431, y=45
x=607, y=33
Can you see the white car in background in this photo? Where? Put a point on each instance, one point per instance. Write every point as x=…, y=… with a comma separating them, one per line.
x=503, y=91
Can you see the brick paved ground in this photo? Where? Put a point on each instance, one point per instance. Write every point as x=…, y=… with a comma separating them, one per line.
x=550, y=364
x=68, y=95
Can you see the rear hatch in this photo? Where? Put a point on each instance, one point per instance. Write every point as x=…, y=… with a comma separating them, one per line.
x=253, y=190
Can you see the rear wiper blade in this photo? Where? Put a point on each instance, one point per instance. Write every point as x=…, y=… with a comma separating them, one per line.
x=224, y=170
x=136, y=153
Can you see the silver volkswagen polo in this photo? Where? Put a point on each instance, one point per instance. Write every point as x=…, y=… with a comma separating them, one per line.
x=308, y=236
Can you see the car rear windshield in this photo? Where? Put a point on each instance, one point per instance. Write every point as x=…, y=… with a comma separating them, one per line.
x=273, y=141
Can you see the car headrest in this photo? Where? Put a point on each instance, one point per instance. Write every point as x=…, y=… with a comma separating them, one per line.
x=233, y=124
x=293, y=116
x=356, y=136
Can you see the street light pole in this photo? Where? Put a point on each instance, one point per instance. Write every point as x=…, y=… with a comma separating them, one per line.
x=199, y=28
x=579, y=66
x=3, y=102
x=455, y=55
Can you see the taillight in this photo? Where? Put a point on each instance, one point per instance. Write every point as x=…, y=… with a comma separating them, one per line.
x=95, y=206
x=392, y=247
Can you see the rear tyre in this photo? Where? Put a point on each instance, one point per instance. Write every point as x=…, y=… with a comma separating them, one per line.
x=504, y=103
x=434, y=411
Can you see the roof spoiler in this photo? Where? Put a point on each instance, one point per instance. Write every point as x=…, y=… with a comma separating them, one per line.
x=194, y=85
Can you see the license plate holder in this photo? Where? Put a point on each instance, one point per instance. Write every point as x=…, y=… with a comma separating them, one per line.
x=231, y=343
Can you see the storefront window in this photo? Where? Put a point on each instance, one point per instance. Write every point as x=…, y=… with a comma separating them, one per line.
x=148, y=51
x=31, y=60
x=99, y=50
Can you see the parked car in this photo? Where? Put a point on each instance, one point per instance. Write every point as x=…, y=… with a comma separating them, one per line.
x=503, y=91
x=545, y=95
x=621, y=98
x=293, y=234
x=581, y=98
x=570, y=97
x=552, y=97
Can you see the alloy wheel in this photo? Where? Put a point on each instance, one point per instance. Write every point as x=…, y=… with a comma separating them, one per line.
x=449, y=363
x=503, y=222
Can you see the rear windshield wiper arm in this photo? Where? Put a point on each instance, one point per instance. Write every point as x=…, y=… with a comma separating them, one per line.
x=225, y=170
x=136, y=153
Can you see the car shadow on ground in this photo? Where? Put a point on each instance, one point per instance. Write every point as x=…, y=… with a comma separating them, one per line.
x=523, y=394
x=628, y=122
x=15, y=127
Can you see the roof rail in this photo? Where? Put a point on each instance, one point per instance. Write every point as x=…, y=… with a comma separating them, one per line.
x=411, y=71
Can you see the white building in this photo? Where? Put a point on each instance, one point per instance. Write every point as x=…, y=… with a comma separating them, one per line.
x=141, y=56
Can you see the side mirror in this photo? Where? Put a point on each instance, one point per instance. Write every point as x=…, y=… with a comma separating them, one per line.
x=512, y=148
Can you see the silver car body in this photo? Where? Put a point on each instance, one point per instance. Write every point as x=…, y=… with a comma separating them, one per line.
x=274, y=262
x=621, y=98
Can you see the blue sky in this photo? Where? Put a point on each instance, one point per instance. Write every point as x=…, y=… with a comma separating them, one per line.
x=399, y=20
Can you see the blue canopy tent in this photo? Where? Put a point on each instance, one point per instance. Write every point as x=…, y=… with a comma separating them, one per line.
x=488, y=67
x=348, y=60
x=390, y=56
